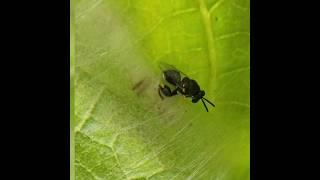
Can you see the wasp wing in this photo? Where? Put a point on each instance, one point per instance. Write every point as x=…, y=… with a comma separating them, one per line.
x=164, y=66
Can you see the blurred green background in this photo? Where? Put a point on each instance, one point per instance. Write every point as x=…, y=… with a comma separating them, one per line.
x=122, y=129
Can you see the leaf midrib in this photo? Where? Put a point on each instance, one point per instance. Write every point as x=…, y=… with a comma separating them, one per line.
x=212, y=55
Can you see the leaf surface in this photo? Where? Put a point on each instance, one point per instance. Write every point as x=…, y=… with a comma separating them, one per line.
x=123, y=129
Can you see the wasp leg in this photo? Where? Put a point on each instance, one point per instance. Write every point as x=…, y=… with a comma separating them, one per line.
x=159, y=89
x=174, y=92
x=166, y=91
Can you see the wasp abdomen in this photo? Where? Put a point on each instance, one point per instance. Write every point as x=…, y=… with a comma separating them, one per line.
x=171, y=76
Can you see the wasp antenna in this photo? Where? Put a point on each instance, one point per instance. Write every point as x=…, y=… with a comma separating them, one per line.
x=209, y=102
x=204, y=105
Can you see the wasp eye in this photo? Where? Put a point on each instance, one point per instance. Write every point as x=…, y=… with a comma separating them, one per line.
x=202, y=93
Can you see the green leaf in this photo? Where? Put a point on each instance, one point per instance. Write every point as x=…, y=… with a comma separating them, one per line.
x=123, y=129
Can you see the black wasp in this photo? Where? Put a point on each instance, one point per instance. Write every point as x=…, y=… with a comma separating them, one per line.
x=182, y=84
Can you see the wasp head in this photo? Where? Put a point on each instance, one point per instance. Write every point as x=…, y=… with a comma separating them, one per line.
x=198, y=96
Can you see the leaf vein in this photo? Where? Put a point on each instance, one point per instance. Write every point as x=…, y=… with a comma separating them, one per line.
x=88, y=170
x=212, y=56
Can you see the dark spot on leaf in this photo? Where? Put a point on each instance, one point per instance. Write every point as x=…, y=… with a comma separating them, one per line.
x=140, y=86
